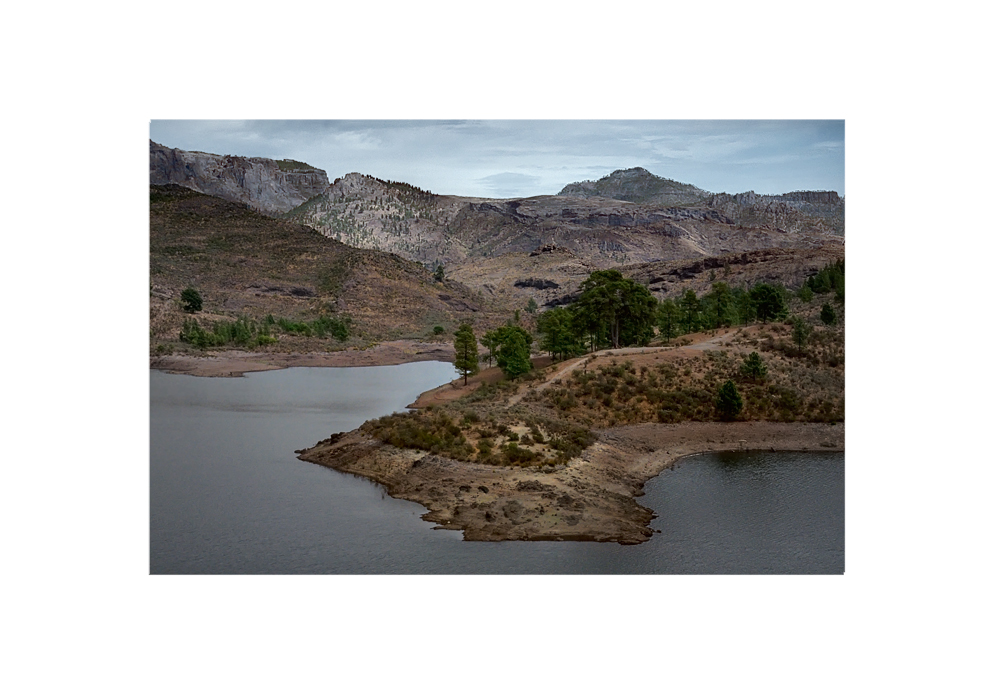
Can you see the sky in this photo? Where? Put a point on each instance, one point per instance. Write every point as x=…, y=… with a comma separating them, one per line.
x=502, y=159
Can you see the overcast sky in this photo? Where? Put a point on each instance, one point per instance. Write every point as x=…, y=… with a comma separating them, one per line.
x=527, y=158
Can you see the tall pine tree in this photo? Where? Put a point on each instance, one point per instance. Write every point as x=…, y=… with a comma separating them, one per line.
x=466, y=352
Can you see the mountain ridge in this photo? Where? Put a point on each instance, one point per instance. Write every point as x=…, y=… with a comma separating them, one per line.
x=269, y=186
x=652, y=219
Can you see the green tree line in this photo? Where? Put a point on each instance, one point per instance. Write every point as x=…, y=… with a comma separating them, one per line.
x=613, y=311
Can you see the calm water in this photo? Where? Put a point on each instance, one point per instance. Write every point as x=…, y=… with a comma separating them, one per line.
x=227, y=494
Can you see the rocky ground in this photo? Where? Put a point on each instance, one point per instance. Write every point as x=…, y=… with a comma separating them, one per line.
x=236, y=363
x=590, y=498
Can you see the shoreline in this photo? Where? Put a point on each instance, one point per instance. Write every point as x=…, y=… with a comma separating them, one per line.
x=234, y=364
x=591, y=498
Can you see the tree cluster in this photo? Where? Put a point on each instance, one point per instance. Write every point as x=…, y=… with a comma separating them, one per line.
x=509, y=346
x=614, y=311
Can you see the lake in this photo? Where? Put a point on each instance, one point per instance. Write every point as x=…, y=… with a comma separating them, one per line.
x=229, y=496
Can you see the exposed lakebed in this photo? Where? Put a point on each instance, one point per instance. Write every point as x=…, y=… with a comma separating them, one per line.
x=228, y=495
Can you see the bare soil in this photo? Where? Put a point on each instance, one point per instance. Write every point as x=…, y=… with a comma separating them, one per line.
x=590, y=498
x=237, y=363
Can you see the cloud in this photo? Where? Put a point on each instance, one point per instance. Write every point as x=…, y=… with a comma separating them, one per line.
x=510, y=184
x=527, y=158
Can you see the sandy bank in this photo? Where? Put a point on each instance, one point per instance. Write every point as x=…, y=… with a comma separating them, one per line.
x=236, y=363
x=590, y=498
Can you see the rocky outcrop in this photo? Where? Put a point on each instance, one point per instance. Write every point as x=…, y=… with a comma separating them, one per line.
x=549, y=249
x=798, y=211
x=268, y=186
x=639, y=186
x=539, y=283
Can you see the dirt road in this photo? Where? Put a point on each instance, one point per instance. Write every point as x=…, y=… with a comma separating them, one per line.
x=704, y=345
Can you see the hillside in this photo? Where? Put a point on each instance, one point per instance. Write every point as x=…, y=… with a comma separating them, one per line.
x=639, y=186
x=819, y=212
x=270, y=186
x=626, y=219
x=551, y=275
x=245, y=263
x=452, y=230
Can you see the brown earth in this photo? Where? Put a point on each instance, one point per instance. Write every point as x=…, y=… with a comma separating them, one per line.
x=590, y=498
x=456, y=389
x=236, y=363
x=246, y=264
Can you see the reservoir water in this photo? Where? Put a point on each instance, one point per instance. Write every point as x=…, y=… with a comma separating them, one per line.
x=229, y=496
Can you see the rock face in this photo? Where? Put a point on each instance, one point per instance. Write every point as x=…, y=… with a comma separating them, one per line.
x=639, y=186
x=799, y=211
x=511, y=248
x=267, y=186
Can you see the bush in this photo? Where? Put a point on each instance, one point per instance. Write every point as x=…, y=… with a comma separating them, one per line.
x=827, y=314
x=191, y=300
x=753, y=367
x=729, y=402
x=800, y=332
x=438, y=330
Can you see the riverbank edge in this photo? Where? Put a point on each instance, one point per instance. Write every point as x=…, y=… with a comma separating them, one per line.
x=231, y=364
x=592, y=498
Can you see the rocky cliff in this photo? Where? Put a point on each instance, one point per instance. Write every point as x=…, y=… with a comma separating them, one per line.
x=268, y=186
x=628, y=217
x=798, y=211
x=639, y=186
x=363, y=211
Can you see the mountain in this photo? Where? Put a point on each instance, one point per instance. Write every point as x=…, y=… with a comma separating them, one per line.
x=630, y=217
x=798, y=211
x=363, y=211
x=819, y=212
x=552, y=275
x=639, y=186
x=243, y=262
x=269, y=186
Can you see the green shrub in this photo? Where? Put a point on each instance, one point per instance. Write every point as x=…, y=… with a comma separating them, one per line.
x=729, y=402
x=753, y=367
x=191, y=300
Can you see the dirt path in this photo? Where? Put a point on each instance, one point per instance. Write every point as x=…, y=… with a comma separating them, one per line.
x=706, y=345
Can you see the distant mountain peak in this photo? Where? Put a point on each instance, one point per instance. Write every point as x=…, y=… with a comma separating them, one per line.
x=638, y=185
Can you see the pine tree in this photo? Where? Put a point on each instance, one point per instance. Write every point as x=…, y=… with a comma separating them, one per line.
x=670, y=316
x=729, y=402
x=466, y=352
x=514, y=354
x=690, y=311
x=800, y=331
x=753, y=367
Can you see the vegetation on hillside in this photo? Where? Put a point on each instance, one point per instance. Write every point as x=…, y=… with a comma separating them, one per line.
x=466, y=435
x=295, y=166
x=244, y=264
x=774, y=371
x=248, y=333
